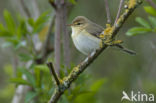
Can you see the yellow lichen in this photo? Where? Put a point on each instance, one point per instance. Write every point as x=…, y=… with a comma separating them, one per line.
x=101, y=44
x=119, y=20
x=101, y=36
x=108, y=30
x=132, y=3
x=61, y=81
x=76, y=68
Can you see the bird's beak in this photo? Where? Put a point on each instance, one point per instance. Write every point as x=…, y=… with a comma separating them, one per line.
x=69, y=24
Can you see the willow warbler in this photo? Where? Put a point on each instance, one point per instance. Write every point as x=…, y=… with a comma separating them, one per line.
x=85, y=35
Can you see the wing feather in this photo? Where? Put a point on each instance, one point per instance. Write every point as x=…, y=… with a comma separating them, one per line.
x=94, y=29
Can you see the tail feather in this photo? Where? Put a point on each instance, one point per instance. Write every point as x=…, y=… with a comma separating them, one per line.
x=125, y=49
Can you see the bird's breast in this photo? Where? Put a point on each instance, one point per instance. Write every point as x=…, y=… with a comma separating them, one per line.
x=85, y=42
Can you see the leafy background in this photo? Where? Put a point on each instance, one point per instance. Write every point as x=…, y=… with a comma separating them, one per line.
x=103, y=81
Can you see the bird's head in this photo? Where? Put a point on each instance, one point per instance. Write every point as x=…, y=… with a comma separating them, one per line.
x=80, y=22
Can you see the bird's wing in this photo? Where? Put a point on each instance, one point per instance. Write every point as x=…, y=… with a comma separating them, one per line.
x=94, y=30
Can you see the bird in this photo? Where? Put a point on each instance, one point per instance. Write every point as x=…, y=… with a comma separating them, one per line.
x=85, y=35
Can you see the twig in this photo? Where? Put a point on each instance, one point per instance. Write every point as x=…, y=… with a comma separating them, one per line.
x=65, y=84
x=151, y=3
x=50, y=65
x=119, y=11
x=55, y=97
x=124, y=17
x=53, y=4
x=25, y=8
x=47, y=47
x=107, y=12
x=35, y=8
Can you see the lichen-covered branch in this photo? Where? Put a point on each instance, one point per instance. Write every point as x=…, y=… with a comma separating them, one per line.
x=67, y=81
x=128, y=11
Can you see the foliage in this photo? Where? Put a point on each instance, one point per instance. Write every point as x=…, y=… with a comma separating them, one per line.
x=85, y=89
x=18, y=34
x=8, y=91
x=145, y=26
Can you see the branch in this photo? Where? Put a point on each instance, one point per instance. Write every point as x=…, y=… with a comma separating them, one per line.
x=35, y=8
x=66, y=37
x=67, y=81
x=131, y=7
x=53, y=4
x=47, y=47
x=119, y=11
x=52, y=70
x=25, y=8
x=107, y=12
x=151, y=3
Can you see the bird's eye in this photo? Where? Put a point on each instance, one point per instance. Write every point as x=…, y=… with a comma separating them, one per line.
x=78, y=23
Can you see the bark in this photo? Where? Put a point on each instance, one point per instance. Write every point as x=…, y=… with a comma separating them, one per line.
x=57, y=44
x=66, y=38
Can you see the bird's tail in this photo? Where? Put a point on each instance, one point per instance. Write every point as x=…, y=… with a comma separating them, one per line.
x=125, y=49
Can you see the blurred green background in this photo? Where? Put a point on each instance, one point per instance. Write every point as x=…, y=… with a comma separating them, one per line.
x=111, y=73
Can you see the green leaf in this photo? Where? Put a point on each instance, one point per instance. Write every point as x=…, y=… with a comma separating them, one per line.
x=42, y=18
x=19, y=81
x=22, y=28
x=43, y=68
x=9, y=21
x=150, y=10
x=38, y=77
x=84, y=98
x=5, y=33
x=137, y=30
x=97, y=85
x=13, y=40
x=25, y=57
x=40, y=22
x=20, y=44
x=143, y=22
x=2, y=27
x=153, y=21
x=30, y=95
x=30, y=77
x=31, y=22
x=72, y=1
